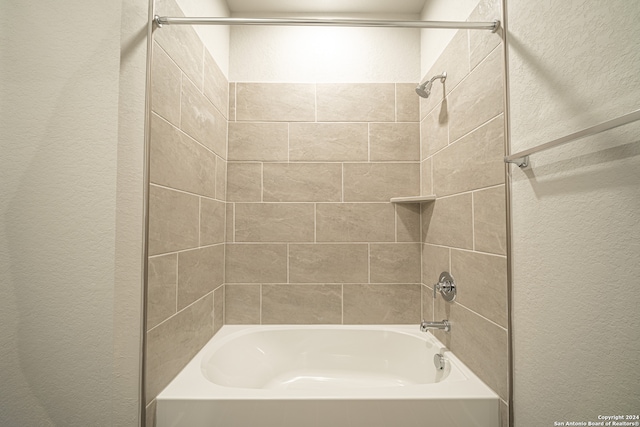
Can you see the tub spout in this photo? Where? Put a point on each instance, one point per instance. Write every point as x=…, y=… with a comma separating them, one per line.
x=427, y=326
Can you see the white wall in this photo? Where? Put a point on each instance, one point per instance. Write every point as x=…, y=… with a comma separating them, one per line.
x=214, y=37
x=576, y=213
x=325, y=55
x=433, y=42
x=64, y=200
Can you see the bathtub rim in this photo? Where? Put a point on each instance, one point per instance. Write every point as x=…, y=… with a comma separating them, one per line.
x=191, y=384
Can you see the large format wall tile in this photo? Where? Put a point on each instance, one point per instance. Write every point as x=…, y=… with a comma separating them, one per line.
x=216, y=85
x=179, y=162
x=381, y=304
x=258, y=141
x=200, y=271
x=277, y=102
x=173, y=343
x=435, y=260
x=181, y=42
x=212, y=219
x=274, y=222
x=434, y=131
x=427, y=303
x=218, y=308
x=256, y=263
x=455, y=62
x=478, y=98
x=355, y=222
x=395, y=263
x=407, y=103
x=394, y=142
x=480, y=344
x=481, y=43
x=165, y=90
x=475, y=161
x=302, y=182
x=161, y=288
x=426, y=177
x=221, y=179
x=353, y=102
x=482, y=283
x=301, y=304
x=173, y=220
x=328, y=263
x=378, y=182
x=328, y=142
x=242, y=304
x=489, y=220
x=201, y=120
x=449, y=222
x=244, y=182
x=408, y=222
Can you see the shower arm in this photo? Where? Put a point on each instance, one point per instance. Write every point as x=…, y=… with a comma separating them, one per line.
x=426, y=82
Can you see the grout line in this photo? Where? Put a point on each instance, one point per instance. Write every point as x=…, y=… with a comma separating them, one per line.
x=178, y=128
x=178, y=312
x=185, y=250
x=481, y=316
x=465, y=250
x=188, y=192
x=475, y=190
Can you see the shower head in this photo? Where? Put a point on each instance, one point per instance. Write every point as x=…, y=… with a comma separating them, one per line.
x=424, y=89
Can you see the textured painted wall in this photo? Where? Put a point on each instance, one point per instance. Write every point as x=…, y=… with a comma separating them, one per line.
x=64, y=162
x=576, y=225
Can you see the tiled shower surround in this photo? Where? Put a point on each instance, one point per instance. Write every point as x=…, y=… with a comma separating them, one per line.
x=464, y=230
x=269, y=202
x=312, y=236
x=188, y=150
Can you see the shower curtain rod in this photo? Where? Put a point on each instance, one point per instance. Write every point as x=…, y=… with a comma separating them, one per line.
x=329, y=22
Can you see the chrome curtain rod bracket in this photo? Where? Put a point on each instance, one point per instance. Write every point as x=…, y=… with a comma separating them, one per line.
x=328, y=22
x=522, y=158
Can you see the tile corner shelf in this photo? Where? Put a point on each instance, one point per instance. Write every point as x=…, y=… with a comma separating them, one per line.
x=413, y=199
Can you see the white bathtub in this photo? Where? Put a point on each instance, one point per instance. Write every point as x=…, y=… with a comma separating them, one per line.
x=325, y=376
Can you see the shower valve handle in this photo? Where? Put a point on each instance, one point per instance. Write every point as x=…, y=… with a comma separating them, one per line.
x=446, y=286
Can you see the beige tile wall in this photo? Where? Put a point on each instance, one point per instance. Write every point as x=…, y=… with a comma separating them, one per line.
x=464, y=230
x=187, y=209
x=312, y=235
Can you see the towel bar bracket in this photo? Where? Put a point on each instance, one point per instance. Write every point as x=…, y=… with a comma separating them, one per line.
x=522, y=162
